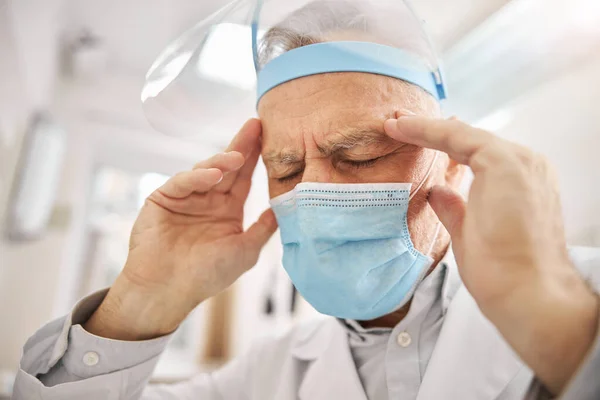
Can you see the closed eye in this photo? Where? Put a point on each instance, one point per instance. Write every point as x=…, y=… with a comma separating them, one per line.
x=350, y=163
x=290, y=177
x=361, y=163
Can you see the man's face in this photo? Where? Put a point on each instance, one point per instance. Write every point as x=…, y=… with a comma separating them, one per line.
x=328, y=128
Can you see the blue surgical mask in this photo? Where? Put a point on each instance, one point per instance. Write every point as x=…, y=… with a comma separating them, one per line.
x=347, y=248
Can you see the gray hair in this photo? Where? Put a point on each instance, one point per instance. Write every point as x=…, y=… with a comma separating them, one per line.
x=319, y=21
x=310, y=25
x=388, y=22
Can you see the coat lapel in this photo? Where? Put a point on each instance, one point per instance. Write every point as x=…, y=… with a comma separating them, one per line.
x=471, y=361
x=330, y=372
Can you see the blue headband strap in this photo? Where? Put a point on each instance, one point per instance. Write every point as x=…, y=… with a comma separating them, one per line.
x=349, y=57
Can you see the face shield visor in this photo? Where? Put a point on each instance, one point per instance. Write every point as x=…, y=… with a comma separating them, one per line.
x=225, y=64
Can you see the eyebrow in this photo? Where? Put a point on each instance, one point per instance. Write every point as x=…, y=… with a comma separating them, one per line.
x=283, y=157
x=353, y=137
x=343, y=140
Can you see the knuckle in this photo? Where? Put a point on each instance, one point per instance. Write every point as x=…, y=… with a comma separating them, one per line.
x=436, y=132
x=545, y=167
x=457, y=125
x=202, y=164
x=453, y=139
x=533, y=161
x=177, y=177
x=208, y=162
x=150, y=199
x=492, y=156
x=457, y=128
x=482, y=158
x=542, y=161
x=179, y=181
x=429, y=130
x=526, y=156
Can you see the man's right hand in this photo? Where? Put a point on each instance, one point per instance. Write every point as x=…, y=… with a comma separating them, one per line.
x=187, y=245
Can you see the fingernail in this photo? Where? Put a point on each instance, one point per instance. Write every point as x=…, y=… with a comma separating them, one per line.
x=243, y=158
x=405, y=113
x=219, y=171
x=391, y=125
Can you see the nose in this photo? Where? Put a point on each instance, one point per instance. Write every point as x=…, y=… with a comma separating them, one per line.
x=320, y=170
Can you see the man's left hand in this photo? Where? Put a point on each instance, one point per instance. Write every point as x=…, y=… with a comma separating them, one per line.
x=510, y=246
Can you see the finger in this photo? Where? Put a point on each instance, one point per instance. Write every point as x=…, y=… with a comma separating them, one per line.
x=185, y=183
x=450, y=209
x=244, y=142
x=257, y=236
x=242, y=184
x=226, y=162
x=459, y=140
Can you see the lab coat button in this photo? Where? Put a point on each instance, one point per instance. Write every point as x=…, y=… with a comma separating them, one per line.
x=91, y=358
x=404, y=339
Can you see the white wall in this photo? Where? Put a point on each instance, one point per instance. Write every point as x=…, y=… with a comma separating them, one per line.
x=561, y=120
x=27, y=72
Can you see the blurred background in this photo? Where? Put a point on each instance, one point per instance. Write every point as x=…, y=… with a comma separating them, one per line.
x=77, y=157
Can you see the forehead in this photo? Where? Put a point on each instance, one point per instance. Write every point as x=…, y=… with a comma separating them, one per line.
x=327, y=103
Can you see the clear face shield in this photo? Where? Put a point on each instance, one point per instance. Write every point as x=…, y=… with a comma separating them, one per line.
x=227, y=62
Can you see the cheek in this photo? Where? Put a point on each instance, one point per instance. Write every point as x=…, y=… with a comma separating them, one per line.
x=384, y=171
x=401, y=168
x=277, y=188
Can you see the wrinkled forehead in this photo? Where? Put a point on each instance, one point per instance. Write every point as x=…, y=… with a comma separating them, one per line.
x=332, y=91
x=328, y=103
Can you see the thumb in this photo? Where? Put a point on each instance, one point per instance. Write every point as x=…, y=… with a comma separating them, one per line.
x=450, y=209
x=257, y=236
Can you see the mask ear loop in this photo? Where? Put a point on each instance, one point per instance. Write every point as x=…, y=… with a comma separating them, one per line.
x=435, y=237
x=426, y=176
x=439, y=224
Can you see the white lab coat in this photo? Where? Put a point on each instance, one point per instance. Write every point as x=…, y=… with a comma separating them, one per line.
x=471, y=361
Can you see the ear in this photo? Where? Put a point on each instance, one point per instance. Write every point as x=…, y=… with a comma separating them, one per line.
x=455, y=173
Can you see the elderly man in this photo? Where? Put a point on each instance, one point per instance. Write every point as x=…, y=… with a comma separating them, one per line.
x=363, y=176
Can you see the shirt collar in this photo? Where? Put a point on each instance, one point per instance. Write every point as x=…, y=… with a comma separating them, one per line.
x=312, y=340
x=451, y=280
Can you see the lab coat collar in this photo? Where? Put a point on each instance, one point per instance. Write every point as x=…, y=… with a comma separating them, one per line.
x=452, y=279
x=470, y=360
x=330, y=373
x=311, y=341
